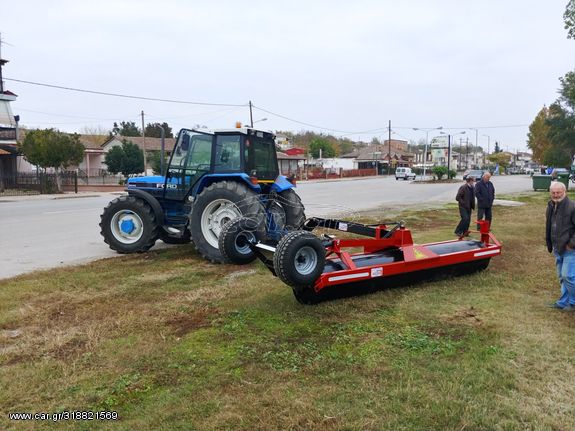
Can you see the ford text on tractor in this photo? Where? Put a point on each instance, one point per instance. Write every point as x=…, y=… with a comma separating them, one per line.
x=212, y=178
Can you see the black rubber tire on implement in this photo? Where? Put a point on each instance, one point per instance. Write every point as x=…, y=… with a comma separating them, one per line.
x=129, y=207
x=185, y=239
x=244, y=201
x=299, y=261
x=233, y=241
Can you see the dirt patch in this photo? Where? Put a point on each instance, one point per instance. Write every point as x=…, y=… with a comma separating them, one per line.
x=70, y=348
x=185, y=323
x=468, y=316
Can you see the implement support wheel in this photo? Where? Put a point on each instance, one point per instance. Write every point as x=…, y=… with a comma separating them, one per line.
x=299, y=261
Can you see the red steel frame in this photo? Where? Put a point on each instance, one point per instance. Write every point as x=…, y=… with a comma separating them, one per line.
x=416, y=257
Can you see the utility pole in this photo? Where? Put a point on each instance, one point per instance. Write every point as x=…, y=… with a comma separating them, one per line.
x=448, y=154
x=144, y=143
x=476, y=144
x=389, y=148
x=251, y=117
x=467, y=153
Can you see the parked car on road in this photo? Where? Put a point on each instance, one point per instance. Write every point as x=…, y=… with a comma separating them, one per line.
x=404, y=174
x=475, y=173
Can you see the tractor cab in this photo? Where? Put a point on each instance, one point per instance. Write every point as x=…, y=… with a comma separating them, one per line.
x=199, y=158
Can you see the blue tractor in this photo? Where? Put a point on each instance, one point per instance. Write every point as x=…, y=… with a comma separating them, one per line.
x=212, y=178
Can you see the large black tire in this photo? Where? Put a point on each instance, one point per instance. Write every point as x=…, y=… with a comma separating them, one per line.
x=299, y=259
x=128, y=225
x=234, y=238
x=287, y=210
x=185, y=239
x=214, y=207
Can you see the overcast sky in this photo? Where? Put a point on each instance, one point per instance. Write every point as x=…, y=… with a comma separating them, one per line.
x=342, y=67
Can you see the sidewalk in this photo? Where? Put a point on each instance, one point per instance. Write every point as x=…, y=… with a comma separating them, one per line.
x=65, y=195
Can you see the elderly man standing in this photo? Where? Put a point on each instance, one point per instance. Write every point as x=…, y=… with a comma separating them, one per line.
x=560, y=236
x=466, y=201
x=485, y=194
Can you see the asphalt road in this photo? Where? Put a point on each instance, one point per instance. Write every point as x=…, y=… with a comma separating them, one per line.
x=47, y=232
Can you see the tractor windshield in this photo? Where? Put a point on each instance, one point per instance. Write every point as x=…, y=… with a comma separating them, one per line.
x=190, y=160
x=260, y=158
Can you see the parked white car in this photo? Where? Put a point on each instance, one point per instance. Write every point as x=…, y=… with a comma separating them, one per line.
x=404, y=174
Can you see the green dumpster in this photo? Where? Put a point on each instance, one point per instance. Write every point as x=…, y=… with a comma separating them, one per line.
x=541, y=182
x=564, y=178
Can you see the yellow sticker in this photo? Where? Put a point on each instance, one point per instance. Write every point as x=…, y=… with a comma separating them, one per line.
x=419, y=254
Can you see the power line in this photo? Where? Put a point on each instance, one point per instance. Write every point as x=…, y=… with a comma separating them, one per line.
x=303, y=123
x=103, y=93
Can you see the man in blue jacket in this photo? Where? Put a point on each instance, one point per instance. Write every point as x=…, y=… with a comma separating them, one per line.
x=485, y=194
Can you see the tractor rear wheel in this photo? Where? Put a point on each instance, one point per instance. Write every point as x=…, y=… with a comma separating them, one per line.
x=287, y=210
x=128, y=225
x=234, y=241
x=299, y=260
x=217, y=205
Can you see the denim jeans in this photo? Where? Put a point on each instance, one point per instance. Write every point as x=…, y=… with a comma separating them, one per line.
x=566, y=272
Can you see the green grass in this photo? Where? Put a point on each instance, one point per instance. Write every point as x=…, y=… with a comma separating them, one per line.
x=172, y=342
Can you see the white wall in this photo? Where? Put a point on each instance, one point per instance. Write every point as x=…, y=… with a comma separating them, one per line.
x=337, y=163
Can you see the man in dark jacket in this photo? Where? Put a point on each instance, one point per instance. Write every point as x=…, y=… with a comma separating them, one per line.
x=560, y=237
x=466, y=199
x=485, y=194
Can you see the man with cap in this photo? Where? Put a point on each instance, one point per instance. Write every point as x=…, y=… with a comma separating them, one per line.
x=466, y=200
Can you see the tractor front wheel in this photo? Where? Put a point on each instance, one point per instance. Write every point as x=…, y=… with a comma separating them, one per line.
x=128, y=225
x=215, y=206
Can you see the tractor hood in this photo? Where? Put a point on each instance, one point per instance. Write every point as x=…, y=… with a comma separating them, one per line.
x=155, y=181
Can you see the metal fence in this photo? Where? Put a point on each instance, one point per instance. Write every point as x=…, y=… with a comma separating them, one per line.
x=21, y=184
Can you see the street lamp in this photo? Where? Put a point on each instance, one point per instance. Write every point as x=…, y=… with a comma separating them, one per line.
x=488, y=143
x=449, y=148
x=257, y=121
x=476, y=143
x=426, y=144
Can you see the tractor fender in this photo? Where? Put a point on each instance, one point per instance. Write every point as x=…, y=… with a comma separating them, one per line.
x=282, y=184
x=209, y=179
x=152, y=201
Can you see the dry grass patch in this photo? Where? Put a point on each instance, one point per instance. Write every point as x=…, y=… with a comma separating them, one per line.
x=172, y=342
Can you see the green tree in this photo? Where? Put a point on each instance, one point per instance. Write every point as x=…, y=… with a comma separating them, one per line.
x=561, y=131
x=538, y=137
x=127, y=159
x=154, y=158
x=154, y=130
x=326, y=148
x=567, y=90
x=500, y=158
x=569, y=18
x=439, y=171
x=126, y=128
x=557, y=157
x=50, y=148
